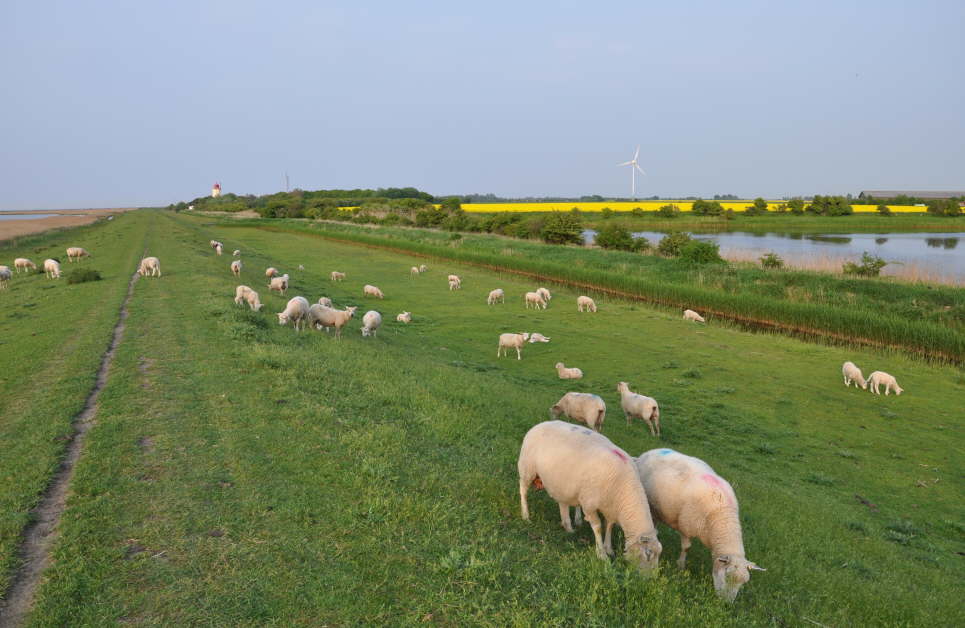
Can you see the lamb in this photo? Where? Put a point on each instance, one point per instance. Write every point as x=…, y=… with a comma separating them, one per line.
x=279, y=284
x=454, y=285
x=296, y=311
x=690, y=315
x=536, y=299
x=244, y=294
x=325, y=301
x=543, y=292
x=371, y=291
x=879, y=378
x=320, y=317
x=580, y=467
x=537, y=337
x=852, y=373
x=371, y=323
x=150, y=266
x=496, y=296
x=512, y=341
x=5, y=275
x=585, y=304
x=423, y=268
x=687, y=495
x=236, y=268
x=270, y=272
x=52, y=268
x=74, y=253
x=215, y=244
x=581, y=407
x=23, y=263
x=641, y=407
x=568, y=373
x=337, y=276
x=219, y=249
x=414, y=270
x=236, y=253
x=404, y=317
x=454, y=278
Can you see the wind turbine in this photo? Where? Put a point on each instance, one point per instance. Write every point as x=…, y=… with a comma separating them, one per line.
x=633, y=174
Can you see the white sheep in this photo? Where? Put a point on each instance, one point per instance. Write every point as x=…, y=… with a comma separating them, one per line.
x=543, y=292
x=270, y=272
x=22, y=263
x=454, y=278
x=537, y=337
x=279, y=284
x=690, y=315
x=74, y=253
x=219, y=249
x=244, y=294
x=640, y=407
x=852, y=373
x=687, y=495
x=582, y=407
x=568, y=373
x=337, y=276
x=236, y=268
x=582, y=468
x=879, y=378
x=371, y=291
x=325, y=301
x=585, y=304
x=535, y=299
x=404, y=317
x=52, y=268
x=496, y=296
x=371, y=322
x=512, y=341
x=423, y=268
x=215, y=244
x=236, y=253
x=301, y=267
x=150, y=266
x=321, y=317
x=5, y=275
x=296, y=311
x=414, y=270
x=455, y=285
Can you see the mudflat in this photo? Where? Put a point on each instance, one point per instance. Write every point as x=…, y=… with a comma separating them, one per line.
x=65, y=218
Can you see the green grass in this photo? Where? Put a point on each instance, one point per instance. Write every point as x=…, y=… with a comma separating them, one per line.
x=241, y=474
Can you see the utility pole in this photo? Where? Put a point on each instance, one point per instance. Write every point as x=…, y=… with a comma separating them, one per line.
x=287, y=189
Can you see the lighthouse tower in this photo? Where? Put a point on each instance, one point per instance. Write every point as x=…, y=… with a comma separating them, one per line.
x=216, y=190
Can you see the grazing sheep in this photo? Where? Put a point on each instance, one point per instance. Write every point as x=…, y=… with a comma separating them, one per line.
x=404, y=317
x=74, y=253
x=512, y=341
x=325, y=301
x=371, y=291
x=236, y=267
x=236, y=253
x=301, y=267
x=582, y=468
x=455, y=285
x=150, y=266
x=537, y=337
x=24, y=264
x=496, y=296
x=296, y=311
x=454, y=278
x=244, y=294
x=423, y=268
x=536, y=299
x=371, y=322
x=270, y=272
x=582, y=407
x=852, y=373
x=639, y=406
x=690, y=315
x=878, y=378
x=219, y=249
x=321, y=317
x=543, y=292
x=568, y=373
x=52, y=268
x=585, y=304
x=215, y=244
x=687, y=495
x=337, y=276
x=5, y=275
x=279, y=284
x=414, y=270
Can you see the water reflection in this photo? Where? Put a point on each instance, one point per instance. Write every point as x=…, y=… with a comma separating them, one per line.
x=942, y=243
x=880, y=241
x=830, y=239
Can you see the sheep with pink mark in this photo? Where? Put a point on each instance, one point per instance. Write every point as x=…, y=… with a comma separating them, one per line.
x=687, y=495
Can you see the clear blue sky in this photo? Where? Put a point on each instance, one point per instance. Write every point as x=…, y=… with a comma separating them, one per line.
x=133, y=103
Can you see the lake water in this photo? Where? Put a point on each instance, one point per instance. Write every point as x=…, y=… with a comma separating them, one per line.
x=11, y=216
x=936, y=254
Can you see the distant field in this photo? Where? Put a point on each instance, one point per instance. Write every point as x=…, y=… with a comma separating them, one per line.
x=684, y=206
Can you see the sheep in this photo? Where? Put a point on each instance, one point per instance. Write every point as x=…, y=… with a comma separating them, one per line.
x=301, y=267
x=852, y=373
x=536, y=299
x=568, y=373
x=219, y=249
x=23, y=263
x=236, y=253
x=404, y=317
x=414, y=270
x=639, y=406
x=583, y=468
x=878, y=378
x=515, y=341
x=320, y=317
x=454, y=278
x=325, y=301
x=5, y=275
x=543, y=292
x=371, y=322
x=423, y=268
x=496, y=296
x=687, y=495
x=279, y=284
x=371, y=291
x=537, y=337
x=582, y=407
x=337, y=276
x=690, y=315
x=74, y=253
x=585, y=304
x=52, y=268
x=296, y=311
x=150, y=266
x=244, y=294
x=270, y=272
x=215, y=244
x=236, y=268
x=455, y=285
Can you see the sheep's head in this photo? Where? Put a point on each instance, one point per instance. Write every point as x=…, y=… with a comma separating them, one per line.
x=556, y=411
x=622, y=387
x=259, y=306
x=559, y=365
x=644, y=551
x=525, y=335
x=898, y=389
x=282, y=318
x=351, y=310
x=863, y=383
x=730, y=574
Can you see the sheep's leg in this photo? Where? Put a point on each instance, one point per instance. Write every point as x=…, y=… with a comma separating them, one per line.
x=650, y=425
x=565, y=517
x=627, y=414
x=594, y=518
x=519, y=354
x=607, y=545
x=578, y=515
x=684, y=546
x=523, y=490
x=656, y=422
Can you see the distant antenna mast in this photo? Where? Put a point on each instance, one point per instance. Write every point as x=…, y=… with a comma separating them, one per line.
x=287, y=189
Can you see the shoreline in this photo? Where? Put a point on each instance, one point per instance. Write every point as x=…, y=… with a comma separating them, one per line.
x=65, y=219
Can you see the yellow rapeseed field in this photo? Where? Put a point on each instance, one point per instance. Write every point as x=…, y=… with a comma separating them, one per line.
x=684, y=206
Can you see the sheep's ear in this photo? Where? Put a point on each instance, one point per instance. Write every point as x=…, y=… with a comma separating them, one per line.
x=724, y=560
x=755, y=567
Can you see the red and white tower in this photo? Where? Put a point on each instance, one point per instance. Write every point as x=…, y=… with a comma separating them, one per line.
x=216, y=190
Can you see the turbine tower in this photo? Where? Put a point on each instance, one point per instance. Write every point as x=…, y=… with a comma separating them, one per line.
x=633, y=174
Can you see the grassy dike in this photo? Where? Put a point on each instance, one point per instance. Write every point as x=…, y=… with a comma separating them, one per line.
x=241, y=474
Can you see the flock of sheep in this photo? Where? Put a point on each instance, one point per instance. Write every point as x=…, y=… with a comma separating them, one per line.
x=51, y=265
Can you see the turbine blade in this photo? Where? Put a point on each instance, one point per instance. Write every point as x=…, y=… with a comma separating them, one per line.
x=639, y=168
x=636, y=154
x=626, y=163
